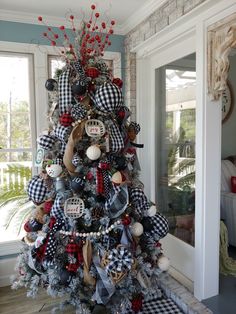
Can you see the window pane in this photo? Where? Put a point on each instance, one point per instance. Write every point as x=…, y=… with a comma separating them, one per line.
x=54, y=63
x=176, y=188
x=15, y=143
x=14, y=102
x=14, y=204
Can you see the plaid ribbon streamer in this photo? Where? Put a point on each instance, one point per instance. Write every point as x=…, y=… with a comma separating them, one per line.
x=160, y=226
x=108, y=97
x=65, y=93
x=120, y=260
x=118, y=201
x=37, y=189
x=76, y=160
x=46, y=142
x=116, y=139
x=62, y=132
x=103, y=68
x=139, y=200
x=51, y=245
x=62, y=147
x=57, y=210
x=77, y=112
x=104, y=286
x=99, y=181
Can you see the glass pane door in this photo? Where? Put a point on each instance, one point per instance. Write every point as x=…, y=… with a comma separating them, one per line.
x=15, y=143
x=176, y=184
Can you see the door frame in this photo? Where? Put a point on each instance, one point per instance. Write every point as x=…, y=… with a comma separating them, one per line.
x=174, y=42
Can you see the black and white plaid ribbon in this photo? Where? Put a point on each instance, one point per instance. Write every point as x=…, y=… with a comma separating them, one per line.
x=46, y=141
x=57, y=210
x=108, y=97
x=79, y=69
x=62, y=132
x=116, y=138
x=65, y=93
x=120, y=260
x=160, y=226
x=105, y=288
x=139, y=200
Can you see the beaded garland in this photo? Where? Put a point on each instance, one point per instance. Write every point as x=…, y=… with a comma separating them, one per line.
x=93, y=234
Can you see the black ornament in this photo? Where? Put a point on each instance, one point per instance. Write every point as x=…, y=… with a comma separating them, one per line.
x=65, y=277
x=77, y=184
x=100, y=198
x=147, y=224
x=120, y=162
x=79, y=88
x=51, y=85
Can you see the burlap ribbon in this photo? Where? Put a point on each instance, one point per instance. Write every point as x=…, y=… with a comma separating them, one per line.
x=74, y=137
x=87, y=255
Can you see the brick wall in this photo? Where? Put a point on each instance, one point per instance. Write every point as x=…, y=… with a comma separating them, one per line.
x=167, y=14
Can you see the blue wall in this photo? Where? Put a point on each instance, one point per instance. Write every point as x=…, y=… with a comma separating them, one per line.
x=32, y=34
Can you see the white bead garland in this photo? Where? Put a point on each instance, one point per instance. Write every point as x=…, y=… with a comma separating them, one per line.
x=92, y=234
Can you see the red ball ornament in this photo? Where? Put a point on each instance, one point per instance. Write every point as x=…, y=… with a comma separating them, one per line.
x=103, y=25
x=92, y=72
x=111, y=31
x=118, y=82
x=88, y=25
x=126, y=221
x=66, y=119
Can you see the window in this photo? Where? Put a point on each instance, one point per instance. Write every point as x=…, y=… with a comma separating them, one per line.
x=17, y=125
x=176, y=182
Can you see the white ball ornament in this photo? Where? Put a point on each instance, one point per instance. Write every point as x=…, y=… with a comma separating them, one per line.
x=117, y=178
x=54, y=170
x=137, y=229
x=152, y=211
x=163, y=263
x=93, y=152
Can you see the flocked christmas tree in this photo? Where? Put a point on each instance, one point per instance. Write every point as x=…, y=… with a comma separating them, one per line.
x=93, y=234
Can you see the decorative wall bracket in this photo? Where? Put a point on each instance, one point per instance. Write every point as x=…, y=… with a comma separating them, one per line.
x=221, y=39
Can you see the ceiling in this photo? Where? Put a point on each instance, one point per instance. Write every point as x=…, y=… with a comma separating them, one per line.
x=127, y=13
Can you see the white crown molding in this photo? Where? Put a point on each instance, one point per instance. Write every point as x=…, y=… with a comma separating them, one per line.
x=140, y=15
x=122, y=29
x=30, y=18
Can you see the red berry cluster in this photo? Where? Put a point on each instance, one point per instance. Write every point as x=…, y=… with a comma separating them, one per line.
x=94, y=37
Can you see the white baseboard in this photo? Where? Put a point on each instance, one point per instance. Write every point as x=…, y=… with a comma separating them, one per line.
x=7, y=267
x=181, y=278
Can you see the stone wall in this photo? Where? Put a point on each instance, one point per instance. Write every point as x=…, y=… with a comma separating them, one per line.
x=167, y=14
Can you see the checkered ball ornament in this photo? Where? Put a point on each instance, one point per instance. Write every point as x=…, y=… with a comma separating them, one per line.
x=108, y=98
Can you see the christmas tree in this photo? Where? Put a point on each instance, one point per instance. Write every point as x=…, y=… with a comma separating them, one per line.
x=93, y=234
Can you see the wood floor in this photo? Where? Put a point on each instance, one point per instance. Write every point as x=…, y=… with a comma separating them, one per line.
x=16, y=302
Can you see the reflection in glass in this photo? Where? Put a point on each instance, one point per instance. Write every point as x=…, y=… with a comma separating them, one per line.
x=176, y=176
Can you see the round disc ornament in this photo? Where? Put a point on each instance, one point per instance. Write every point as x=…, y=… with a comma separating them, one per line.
x=74, y=207
x=94, y=128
